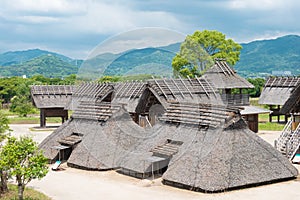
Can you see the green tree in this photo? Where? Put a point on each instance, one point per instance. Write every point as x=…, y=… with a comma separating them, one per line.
x=258, y=85
x=4, y=132
x=108, y=79
x=199, y=50
x=22, y=159
x=70, y=80
x=21, y=103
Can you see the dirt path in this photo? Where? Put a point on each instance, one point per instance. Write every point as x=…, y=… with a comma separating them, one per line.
x=76, y=184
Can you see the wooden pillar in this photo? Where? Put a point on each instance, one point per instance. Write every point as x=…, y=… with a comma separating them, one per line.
x=270, y=115
x=227, y=91
x=42, y=118
x=286, y=118
x=278, y=116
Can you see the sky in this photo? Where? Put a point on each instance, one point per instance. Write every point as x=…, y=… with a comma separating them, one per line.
x=75, y=27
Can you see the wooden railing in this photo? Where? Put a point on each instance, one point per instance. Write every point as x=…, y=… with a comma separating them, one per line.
x=289, y=141
x=293, y=143
x=280, y=143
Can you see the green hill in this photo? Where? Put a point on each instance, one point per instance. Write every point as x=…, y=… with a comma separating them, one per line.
x=257, y=59
x=155, y=61
x=46, y=65
x=267, y=56
x=17, y=57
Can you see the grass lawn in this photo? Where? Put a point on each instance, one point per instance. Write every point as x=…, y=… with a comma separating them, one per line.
x=270, y=126
x=29, y=194
x=263, y=119
x=32, y=120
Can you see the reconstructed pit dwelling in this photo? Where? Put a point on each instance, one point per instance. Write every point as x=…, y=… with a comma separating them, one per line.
x=180, y=128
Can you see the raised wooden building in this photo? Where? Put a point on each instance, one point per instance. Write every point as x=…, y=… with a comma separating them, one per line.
x=234, y=91
x=276, y=92
x=51, y=100
x=289, y=141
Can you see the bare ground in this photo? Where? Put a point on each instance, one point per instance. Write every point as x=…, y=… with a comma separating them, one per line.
x=69, y=183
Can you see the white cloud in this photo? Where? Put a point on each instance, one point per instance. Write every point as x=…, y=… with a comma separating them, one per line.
x=256, y=5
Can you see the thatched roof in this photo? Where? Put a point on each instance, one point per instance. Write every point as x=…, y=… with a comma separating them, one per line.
x=128, y=93
x=292, y=105
x=89, y=92
x=197, y=90
x=277, y=90
x=103, y=145
x=203, y=115
x=211, y=160
x=51, y=96
x=218, y=160
x=205, y=145
x=224, y=77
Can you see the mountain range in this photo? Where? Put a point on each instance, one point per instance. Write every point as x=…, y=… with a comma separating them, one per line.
x=257, y=59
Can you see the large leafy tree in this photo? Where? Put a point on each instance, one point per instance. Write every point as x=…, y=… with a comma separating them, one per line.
x=199, y=50
x=22, y=159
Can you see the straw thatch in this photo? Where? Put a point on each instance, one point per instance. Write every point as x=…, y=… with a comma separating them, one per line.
x=224, y=77
x=277, y=90
x=128, y=94
x=292, y=105
x=211, y=159
x=89, y=92
x=51, y=96
x=203, y=144
x=223, y=159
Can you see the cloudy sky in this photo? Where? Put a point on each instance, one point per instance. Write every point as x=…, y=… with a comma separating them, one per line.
x=75, y=27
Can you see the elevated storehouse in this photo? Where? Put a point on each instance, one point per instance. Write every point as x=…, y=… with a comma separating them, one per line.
x=289, y=141
x=234, y=91
x=51, y=100
x=276, y=92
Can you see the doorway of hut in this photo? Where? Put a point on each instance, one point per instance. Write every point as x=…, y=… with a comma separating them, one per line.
x=148, y=110
x=63, y=153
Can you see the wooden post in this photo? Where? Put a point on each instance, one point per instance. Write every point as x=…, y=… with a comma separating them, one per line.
x=278, y=116
x=42, y=118
x=270, y=115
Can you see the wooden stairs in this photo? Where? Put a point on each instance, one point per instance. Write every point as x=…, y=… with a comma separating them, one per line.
x=288, y=142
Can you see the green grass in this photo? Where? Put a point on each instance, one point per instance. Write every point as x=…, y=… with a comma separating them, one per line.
x=29, y=194
x=32, y=120
x=270, y=126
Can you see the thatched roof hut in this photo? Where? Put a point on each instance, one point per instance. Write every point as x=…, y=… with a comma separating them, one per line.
x=224, y=77
x=51, y=96
x=197, y=141
x=277, y=90
x=51, y=100
x=96, y=121
x=292, y=104
x=212, y=153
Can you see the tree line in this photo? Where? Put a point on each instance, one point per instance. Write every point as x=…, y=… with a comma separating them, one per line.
x=15, y=91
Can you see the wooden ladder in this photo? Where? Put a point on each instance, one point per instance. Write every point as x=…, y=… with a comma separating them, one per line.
x=289, y=141
x=280, y=143
x=293, y=143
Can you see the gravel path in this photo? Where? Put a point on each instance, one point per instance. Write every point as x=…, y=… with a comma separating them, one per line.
x=74, y=184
